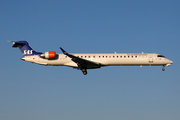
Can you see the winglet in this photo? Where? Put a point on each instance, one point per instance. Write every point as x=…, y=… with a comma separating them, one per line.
x=64, y=52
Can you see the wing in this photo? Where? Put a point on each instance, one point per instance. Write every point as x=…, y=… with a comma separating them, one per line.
x=82, y=63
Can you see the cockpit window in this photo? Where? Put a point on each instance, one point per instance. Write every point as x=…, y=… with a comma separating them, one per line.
x=160, y=56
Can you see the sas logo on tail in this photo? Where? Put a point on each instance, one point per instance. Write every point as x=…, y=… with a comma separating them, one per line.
x=29, y=52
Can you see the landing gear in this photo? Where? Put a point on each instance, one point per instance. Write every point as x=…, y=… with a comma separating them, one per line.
x=84, y=71
x=163, y=69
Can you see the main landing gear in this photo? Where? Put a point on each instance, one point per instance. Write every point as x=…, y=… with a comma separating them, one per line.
x=163, y=69
x=84, y=71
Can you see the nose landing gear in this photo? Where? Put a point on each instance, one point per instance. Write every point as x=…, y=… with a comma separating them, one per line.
x=163, y=69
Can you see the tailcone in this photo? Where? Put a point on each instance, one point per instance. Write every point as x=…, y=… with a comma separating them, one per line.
x=23, y=58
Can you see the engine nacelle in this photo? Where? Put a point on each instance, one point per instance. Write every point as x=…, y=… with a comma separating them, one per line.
x=48, y=55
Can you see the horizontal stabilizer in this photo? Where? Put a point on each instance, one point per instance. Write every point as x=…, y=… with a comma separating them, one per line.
x=17, y=44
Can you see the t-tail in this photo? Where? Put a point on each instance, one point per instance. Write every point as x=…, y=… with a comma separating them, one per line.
x=25, y=48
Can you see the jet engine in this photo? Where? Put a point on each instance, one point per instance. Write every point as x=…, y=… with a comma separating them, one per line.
x=48, y=55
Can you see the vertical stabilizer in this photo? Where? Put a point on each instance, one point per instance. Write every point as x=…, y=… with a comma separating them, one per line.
x=25, y=48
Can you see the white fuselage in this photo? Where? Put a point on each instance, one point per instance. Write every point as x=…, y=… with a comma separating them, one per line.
x=116, y=59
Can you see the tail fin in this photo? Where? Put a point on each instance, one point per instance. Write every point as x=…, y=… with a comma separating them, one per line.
x=25, y=48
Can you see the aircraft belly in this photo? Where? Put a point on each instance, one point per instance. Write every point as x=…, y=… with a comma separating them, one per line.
x=71, y=64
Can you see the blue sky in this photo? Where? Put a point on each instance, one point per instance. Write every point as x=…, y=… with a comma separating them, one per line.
x=30, y=91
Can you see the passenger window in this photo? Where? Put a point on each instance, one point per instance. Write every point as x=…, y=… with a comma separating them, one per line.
x=117, y=56
x=93, y=56
x=121, y=56
x=124, y=56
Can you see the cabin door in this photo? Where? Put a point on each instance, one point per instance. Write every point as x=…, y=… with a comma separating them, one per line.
x=150, y=60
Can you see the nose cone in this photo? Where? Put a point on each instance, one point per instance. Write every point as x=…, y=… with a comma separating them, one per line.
x=168, y=62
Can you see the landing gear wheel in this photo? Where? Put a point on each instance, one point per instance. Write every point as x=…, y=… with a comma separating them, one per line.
x=163, y=69
x=84, y=71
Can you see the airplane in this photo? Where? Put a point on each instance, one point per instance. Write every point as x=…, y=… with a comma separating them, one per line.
x=86, y=61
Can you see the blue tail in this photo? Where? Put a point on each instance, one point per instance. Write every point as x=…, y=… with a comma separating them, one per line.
x=25, y=48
